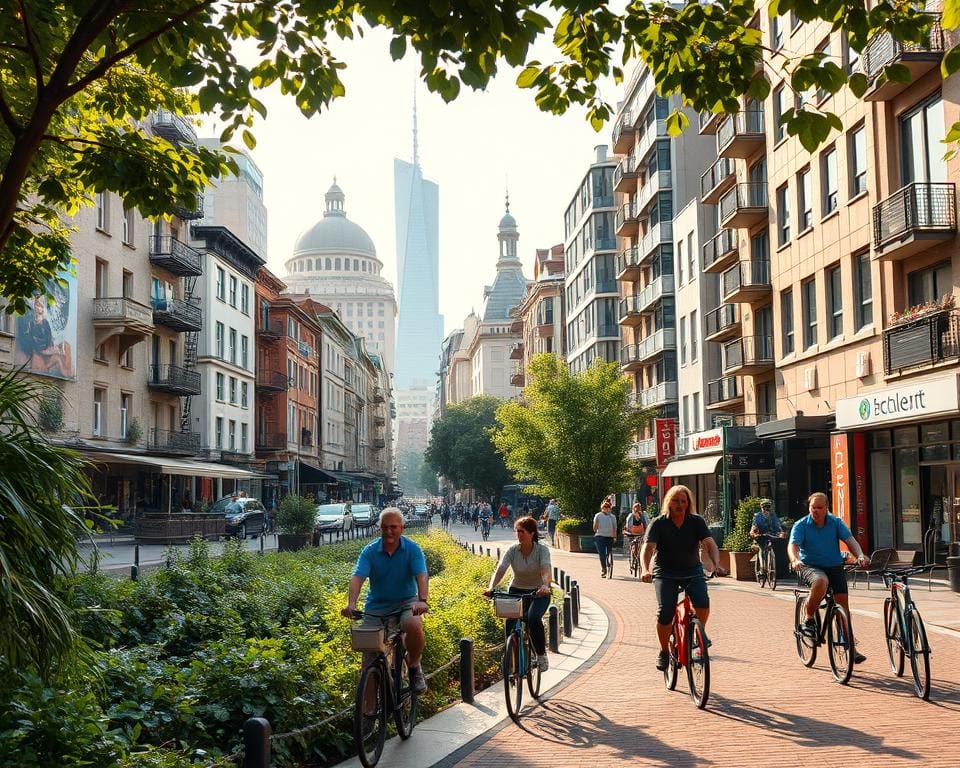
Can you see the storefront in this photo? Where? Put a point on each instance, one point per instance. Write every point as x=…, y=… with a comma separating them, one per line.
x=896, y=451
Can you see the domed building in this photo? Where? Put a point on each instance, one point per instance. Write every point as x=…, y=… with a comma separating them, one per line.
x=336, y=261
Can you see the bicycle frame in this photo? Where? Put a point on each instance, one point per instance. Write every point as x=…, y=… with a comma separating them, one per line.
x=681, y=621
x=903, y=604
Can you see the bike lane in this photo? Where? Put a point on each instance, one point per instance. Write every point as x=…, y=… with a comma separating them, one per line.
x=765, y=708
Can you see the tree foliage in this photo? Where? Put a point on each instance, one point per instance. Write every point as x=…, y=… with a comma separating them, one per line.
x=462, y=449
x=571, y=433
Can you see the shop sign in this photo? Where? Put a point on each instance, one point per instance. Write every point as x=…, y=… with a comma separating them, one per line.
x=710, y=441
x=839, y=461
x=744, y=461
x=860, y=489
x=666, y=432
x=915, y=400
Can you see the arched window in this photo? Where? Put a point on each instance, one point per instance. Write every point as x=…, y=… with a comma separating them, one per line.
x=356, y=267
x=363, y=266
x=336, y=264
x=317, y=265
x=328, y=262
x=346, y=264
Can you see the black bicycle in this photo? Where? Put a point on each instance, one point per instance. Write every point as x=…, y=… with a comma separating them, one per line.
x=766, y=568
x=485, y=529
x=832, y=627
x=519, y=658
x=904, y=630
x=384, y=687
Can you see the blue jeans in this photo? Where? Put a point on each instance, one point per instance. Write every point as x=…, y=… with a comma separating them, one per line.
x=535, y=610
x=603, y=543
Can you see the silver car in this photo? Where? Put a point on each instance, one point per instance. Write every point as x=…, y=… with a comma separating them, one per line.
x=331, y=517
x=365, y=514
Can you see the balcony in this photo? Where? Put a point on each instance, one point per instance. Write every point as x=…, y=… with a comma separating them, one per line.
x=741, y=419
x=379, y=420
x=723, y=323
x=378, y=443
x=741, y=135
x=744, y=206
x=921, y=343
x=721, y=251
x=913, y=219
x=660, y=394
x=545, y=329
x=655, y=291
x=517, y=379
x=272, y=441
x=633, y=356
x=648, y=135
x=624, y=134
x=629, y=312
x=643, y=449
x=625, y=175
x=750, y=355
x=272, y=381
x=710, y=122
x=120, y=316
x=174, y=380
x=661, y=180
x=178, y=314
x=628, y=264
x=516, y=351
x=747, y=281
x=378, y=395
x=883, y=50
x=723, y=392
x=169, y=253
x=659, y=234
x=173, y=127
x=626, y=223
x=718, y=178
x=188, y=213
x=270, y=330
x=171, y=441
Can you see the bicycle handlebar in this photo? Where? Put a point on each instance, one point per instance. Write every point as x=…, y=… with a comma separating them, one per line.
x=896, y=574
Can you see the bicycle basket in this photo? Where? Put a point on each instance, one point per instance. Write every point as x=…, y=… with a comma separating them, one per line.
x=366, y=638
x=508, y=607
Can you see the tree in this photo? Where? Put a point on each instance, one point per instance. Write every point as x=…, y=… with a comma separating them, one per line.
x=428, y=478
x=415, y=475
x=571, y=433
x=461, y=447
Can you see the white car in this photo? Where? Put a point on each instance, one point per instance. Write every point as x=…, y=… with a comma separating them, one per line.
x=331, y=517
x=365, y=514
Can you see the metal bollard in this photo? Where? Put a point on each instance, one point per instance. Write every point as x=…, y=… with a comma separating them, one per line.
x=135, y=568
x=263, y=538
x=466, y=670
x=562, y=580
x=556, y=575
x=567, y=616
x=498, y=554
x=488, y=551
x=256, y=743
x=553, y=629
x=566, y=583
x=575, y=603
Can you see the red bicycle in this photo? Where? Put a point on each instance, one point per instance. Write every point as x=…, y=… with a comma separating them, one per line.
x=688, y=647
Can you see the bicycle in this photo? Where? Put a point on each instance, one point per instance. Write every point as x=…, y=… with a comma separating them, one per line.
x=904, y=631
x=383, y=687
x=635, y=545
x=485, y=529
x=519, y=658
x=688, y=647
x=766, y=569
x=832, y=626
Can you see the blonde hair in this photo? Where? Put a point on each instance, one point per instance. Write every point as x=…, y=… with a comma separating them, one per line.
x=674, y=491
x=818, y=494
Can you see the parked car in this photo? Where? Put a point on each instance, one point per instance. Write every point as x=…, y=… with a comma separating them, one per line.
x=365, y=514
x=250, y=521
x=331, y=517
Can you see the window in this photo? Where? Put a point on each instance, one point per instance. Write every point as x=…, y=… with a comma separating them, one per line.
x=220, y=283
x=809, y=295
x=687, y=427
x=102, y=204
x=233, y=390
x=824, y=50
x=851, y=59
x=921, y=131
x=786, y=321
x=100, y=287
x=233, y=435
x=783, y=215
x=805, y=199
x=233, y=346
x=693, y=336
x=245, y=299
x=244, y=432
x=220, y=379
x=857, y=160
x=244, y=351
x=794, y=20
x=680, y=262
x=776, y=33
x=863, y=290
x=127, y=285
x=128, y=226
x=219, y=338
x=219, y=433
x=244, y=402
x=99, y=396
x=691, y=258
x=835, y=297
x=683, y=341
x=233, y=291
x=696, y=411
x=930, y=284
x=828, y=180
x=779, y=107
x=124, y=413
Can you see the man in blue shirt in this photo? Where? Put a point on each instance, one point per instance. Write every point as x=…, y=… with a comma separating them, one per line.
x=766, y=522
x=814, y=552
x=397, y=571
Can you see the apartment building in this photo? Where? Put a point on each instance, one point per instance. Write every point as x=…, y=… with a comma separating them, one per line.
x=539, y=318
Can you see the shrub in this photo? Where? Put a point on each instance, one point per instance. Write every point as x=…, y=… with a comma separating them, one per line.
x=296, y=515
x=574, y=527
x=738, y=540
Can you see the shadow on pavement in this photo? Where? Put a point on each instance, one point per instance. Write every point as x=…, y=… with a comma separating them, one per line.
x=943, y=693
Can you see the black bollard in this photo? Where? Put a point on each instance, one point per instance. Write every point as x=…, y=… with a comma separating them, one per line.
x=256, y=743
x=135, y=568
x=566, y=583
x=567, y=616
x=263, y=538
x=556, y=575
x=575, y=603
x=466, y=670
x=498, y=554
x=562, y=580
x=553, y=629
x=473, y=549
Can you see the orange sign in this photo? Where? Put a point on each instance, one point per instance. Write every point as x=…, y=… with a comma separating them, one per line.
x=840, y=476
x=666, y=436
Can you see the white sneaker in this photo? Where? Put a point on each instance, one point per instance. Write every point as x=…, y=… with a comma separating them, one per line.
x=543, y=662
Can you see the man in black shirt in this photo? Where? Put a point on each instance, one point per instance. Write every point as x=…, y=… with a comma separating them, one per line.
x=675, y=539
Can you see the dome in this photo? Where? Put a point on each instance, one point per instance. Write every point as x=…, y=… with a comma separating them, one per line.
x=335, y=233
x=508, y=222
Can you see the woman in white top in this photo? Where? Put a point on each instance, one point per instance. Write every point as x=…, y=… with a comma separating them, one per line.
x=604, y=533
x=530, y=562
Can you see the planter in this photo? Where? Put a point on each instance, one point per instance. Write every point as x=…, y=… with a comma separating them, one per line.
x=725, y=560
x=587, y=544
x=741, y=566
x=566, y=542
x=292, y=542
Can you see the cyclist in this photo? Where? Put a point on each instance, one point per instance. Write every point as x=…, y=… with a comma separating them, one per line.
x=475, y=516
x=634, y=527
x=398, y=577
x=814, y=552
x=766, y=526
x=674, y=539
x=530, y=562
x=486, y=521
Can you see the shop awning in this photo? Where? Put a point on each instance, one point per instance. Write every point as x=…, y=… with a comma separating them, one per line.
x=692, y=465
x=183, y=467
x=797, y=427
x=346, y=477
x=313, y=474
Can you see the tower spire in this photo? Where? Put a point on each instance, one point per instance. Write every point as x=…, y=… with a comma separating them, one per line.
x=416, y=155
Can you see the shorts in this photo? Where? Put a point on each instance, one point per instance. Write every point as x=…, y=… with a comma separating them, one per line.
x=391, y=624
x=667, y=589
x=835, y=575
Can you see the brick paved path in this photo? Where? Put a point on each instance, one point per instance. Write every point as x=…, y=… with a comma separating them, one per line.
x=765, y=708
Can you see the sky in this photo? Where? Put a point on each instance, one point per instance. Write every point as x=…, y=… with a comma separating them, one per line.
x=474, y=148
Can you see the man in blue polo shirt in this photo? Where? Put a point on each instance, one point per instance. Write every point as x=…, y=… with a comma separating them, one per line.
x=397, y=571
x=814, y=552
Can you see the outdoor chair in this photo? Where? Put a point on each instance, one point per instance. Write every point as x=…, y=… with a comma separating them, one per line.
x=878, y=562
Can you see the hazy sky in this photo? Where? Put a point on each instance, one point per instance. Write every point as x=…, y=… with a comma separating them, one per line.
x=473, y=148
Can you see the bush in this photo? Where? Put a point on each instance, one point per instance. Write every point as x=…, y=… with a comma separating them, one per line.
x=738, y=540
x=575, y=527
x=296, y=515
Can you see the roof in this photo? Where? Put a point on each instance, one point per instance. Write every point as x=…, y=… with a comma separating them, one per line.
x=505, y=293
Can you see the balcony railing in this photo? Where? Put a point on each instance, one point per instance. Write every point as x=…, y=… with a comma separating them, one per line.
x=623, y=133
x=926, y=341
x=270, y=329
x=709, y=122
x=120, y=310
x=745, y=205
x=741, y=419
x=747, y=280
x=172, y=441
x=751, y=354
x=378, y=443
x=271, y=441
x=168, y=252
x=659, y=234
x=742, y=134
x=173, y=127
x=662, y=286
x=516, y=351
x=272, y=381
x=625, y=175
x=723, y=389
x=919, y=58
x=654, y=344
x=658, y=394
x=717, y=179
x=915, y=217
x=720, y=250
x=178, y=314
x=625, y=222
x=629, y=311
x=723, y=320
x=174, y=379
x=643, y=449
x=191, y=212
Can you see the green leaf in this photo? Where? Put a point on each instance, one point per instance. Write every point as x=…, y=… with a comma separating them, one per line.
x=398, y=47
x=249, y=139
x=528, y=76
x=950, y=18
x=677, y=122
x=858, y=84
x=951, y=61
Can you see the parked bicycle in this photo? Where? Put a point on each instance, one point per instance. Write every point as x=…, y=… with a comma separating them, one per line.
x=384, y=687
x=688, y=647
x=832, y=627
x=766, y=567
x=519, y=658
x=904, y=630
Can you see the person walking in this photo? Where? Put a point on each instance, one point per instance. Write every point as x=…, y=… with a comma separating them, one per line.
x=604, y=533
x=552, y=513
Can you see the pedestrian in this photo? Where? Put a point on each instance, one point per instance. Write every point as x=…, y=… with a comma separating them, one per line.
x=604, y=533
x=504, y=514
x=552, y=513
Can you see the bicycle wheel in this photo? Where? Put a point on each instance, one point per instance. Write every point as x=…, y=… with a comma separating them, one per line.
x=673, y=664
x=891, y=627
x=806, y=645
x=698, y=663
x=771, y=569
x=759, y=570
x=533, y=671
x=512, y=681
x=405, y=712
x=370, y=715
x=840, y=644
x=919, y=654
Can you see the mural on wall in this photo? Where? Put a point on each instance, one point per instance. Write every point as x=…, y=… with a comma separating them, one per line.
x=46, y=335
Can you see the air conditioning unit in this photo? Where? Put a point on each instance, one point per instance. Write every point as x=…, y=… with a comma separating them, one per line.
x=810, y=378
x=862, y=367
